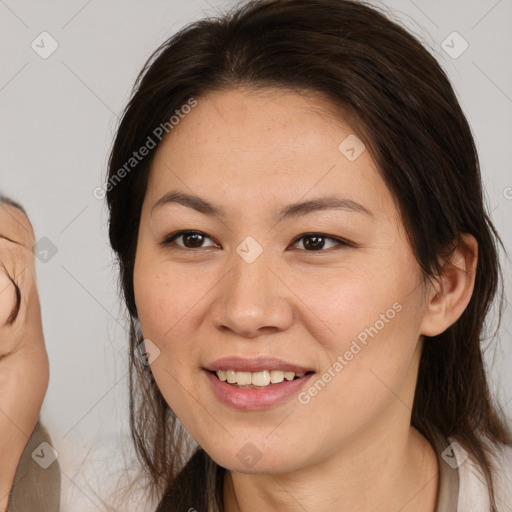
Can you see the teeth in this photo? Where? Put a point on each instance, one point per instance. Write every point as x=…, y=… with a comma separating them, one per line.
x=258, y=379
x=244, y=378
x=276, y=376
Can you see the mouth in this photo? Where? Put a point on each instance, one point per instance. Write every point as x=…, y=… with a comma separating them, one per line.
x=256, y=390
x=259, y=379
x=256, y=382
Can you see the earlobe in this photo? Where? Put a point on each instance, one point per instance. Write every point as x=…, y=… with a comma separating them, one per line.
x=452, y=290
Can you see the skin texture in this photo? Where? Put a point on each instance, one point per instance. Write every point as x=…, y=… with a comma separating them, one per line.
x=351, y=448
x=24, y=368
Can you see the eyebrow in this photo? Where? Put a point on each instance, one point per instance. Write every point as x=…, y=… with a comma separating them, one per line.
x=289, y=211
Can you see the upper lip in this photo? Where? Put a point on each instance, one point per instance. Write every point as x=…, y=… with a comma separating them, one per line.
x=256, y=364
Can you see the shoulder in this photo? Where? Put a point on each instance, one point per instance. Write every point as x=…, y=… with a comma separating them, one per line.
x=36, y=486
x=473, y=490
x=504, y=477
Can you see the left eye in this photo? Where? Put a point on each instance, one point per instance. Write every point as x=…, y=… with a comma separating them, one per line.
x=313, y=242
x=316, y=241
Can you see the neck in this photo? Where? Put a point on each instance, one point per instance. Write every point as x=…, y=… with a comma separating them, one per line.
x=366, y=475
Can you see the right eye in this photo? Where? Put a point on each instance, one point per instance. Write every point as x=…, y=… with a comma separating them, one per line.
x=190, y=239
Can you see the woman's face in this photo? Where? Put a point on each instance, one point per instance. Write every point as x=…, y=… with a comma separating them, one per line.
x=348, y=307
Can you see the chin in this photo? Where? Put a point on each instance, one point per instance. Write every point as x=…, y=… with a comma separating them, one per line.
x=250, y=459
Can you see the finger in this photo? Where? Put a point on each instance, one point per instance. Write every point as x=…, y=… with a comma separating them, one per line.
x=8, y=298
x=15, y=226
x=17, y=300
x=8, y=200
x=17, y=266
x=18, y=289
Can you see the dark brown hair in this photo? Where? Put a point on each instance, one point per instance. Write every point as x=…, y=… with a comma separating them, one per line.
x=400, y=103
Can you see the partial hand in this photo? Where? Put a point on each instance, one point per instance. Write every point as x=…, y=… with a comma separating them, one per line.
x=24, y=370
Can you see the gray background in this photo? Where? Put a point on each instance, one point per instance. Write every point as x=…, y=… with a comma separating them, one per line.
x=58, y=119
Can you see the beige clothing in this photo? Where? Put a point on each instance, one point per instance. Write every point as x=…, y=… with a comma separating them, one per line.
x=36, y=488
x=462, y=486
x=448, y=493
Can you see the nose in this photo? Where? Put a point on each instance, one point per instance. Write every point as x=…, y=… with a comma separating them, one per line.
x=253, y=299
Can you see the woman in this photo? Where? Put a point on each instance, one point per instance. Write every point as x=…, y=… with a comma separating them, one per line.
x=296, y=206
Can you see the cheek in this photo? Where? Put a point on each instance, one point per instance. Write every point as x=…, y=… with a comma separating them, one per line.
x=169, y=304
x=346, y=304
x=368, y=327
x=163, y=296
x=162, y=305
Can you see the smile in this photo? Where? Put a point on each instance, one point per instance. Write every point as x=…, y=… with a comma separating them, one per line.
x=257, y=379
x=251, y=397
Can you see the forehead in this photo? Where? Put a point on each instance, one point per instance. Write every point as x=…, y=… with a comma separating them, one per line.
x=249, y=145
x=265, y=121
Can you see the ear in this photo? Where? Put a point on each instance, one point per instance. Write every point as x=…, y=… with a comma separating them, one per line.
x=449, y=296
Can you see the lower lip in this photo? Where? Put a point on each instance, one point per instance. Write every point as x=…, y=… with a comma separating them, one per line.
x=250, y=399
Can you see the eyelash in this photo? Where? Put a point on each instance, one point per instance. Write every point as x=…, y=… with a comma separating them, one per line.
x=169, y=240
